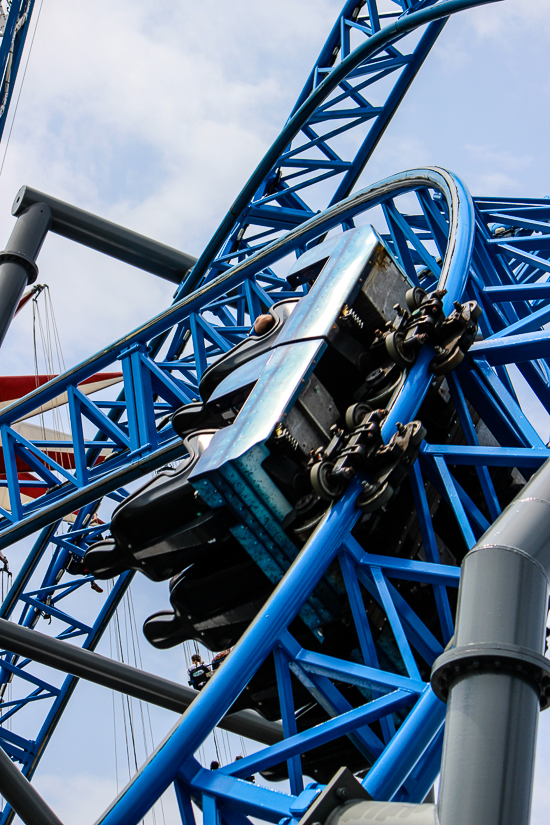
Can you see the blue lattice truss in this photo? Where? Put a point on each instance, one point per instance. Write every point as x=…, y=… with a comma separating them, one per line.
x=13, y=31
x=494, y=251
x=487, y=262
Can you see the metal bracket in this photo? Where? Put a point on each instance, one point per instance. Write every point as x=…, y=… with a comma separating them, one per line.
x=533, y=667
x=9, y=256
x=342, y=789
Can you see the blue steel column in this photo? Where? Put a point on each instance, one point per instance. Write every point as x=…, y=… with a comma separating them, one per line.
x=11, y=51
x=406, y=748
x=258, y=641
x=378, y=41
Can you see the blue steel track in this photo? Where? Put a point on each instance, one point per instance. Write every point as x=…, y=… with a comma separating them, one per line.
x=12, y=44
x=492, y=250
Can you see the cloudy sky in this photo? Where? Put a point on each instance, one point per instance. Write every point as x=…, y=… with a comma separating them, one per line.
x=154, y=114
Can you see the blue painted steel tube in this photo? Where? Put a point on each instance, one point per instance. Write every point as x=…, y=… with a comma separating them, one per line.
x=238, y=795
x=513, y=349
x=99, y=627
x=258, y=641
x=326, y=54
x=374, y=44
x=320, y=734
x=22, y=579
x=15, y=37
x=27, y=570
x=397, y=94
x=427, y=769
x=453, y=277
x=394, y=765
x=454, y=273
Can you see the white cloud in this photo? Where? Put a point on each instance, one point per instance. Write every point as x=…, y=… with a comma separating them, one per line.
x=154, y=115
x=511, y=19
x=78, y=799
x=154, y=121
x=81, y=798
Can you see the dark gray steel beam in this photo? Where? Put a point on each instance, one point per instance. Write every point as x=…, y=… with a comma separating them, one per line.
x=17, y=261
x=107, y=237
x=496, y=677
x=126, y=679
x=20, y=794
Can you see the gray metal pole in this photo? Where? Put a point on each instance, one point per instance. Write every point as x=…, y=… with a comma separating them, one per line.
x=496, y=677
x=20, y=794
x=344, y=801
x=388, y=813
x=126, y=679
x=107, y=237
x=17, y=261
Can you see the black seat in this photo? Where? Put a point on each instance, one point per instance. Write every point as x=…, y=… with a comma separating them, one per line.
x=246, y=350
x=213, y=601
x=163, y=527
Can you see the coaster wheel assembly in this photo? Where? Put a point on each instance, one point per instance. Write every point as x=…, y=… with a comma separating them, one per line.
x=373, y=555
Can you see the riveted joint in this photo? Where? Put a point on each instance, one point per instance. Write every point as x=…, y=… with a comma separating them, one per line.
x=9, y=256
x=527, y=665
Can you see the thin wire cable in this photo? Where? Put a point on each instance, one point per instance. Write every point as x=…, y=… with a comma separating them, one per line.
x=118, y=640
x=126, y=708
x=138, y=662
x=217, y=747
x=110, y=587
x=128, y=703
x=45, y=324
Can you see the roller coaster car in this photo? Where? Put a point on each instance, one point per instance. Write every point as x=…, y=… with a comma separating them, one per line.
x=287, y=417
x=294, y=406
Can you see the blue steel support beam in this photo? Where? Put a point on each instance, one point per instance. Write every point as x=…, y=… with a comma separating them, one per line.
x=86, y=492
x=420, y=765
x=33, y=754
x=12, y=44
x=506, y=264
x=389, y=109
x=145, y=380
x=375, y=43
x=262, y=637
x=455, y=274
x=258, y=641
x=91, y=641
x=406, y=748
x=268, y=628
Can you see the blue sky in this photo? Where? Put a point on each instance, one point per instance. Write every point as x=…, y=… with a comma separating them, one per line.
x=153, y=115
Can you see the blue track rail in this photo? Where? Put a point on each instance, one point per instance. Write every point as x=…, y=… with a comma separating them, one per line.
x=406, y=761
x=515, y=296
x=128, y=429
x=305, y=162
x=12, y=43
x=494, y=251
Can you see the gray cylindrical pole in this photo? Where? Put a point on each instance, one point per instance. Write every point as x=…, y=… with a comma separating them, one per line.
x=127, y=679
x=108, y=237
x=496, y=676
x=17, y=261
x=389, y=813
x=20, y=794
